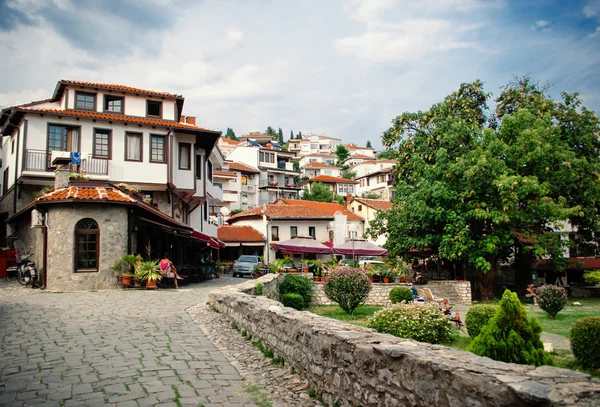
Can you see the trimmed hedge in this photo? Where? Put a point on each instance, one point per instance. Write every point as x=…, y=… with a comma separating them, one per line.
x=478, y=316
x=293, y=300
x=348, y=287
x=551, y=298
x=401, y=294
x=585, y=343
x=296, y=284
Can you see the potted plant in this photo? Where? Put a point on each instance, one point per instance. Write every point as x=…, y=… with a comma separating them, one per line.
x=126, y=265
x=371, y=273
x=149, y=272
x=387, y=275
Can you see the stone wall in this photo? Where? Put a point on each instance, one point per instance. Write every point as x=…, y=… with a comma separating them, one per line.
x=584, y=292
x=350, y=365
x=112, y=223
x=455, y=292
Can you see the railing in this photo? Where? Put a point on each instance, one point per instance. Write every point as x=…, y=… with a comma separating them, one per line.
x=248, y=188
x=37, y=160
x=97, y=166
x=278, y=184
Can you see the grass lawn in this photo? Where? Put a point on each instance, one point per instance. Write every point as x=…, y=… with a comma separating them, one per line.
x=565, y=319
x=360, y=317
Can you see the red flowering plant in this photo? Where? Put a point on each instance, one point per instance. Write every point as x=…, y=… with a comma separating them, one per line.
x=348, y=287
x=551, y=298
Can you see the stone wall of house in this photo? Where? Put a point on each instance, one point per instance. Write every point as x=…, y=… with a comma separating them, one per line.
x=584, y=292
x=32, y=240
x=455, y=292
x=349, y=365
x=112, y=223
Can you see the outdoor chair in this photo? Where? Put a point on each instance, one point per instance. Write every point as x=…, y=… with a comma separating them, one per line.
x=429, y=295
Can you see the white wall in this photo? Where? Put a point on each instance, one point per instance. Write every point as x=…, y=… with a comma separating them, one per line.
x=245, y=155
x=183, y=178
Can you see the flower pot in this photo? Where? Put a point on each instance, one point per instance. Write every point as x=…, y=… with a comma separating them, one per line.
x=404, y=279
x=292, y=271
x=217, y=275
x=372, y=279
x=305, y=269
x=386, y=280
x=151, y=285
x=398, y=280
x=126, y=280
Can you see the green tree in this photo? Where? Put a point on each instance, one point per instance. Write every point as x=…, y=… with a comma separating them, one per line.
x=291, y=134
x=271, y=132
x=342, y=153
x=370, y=195
x=474, y=187
x=387, y=155
x=318, y=193
x=230, y=134
x=280, y=136
x=348, y=174
x=299, y=136
x=369, y=144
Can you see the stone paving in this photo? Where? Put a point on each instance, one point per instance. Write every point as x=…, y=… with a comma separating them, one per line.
x=116, y=348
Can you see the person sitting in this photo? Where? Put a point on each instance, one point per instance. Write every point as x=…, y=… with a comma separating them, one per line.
x=531, y=293
x=168, y=270
x=445, y=306
x=416, y=296
x=456, y=320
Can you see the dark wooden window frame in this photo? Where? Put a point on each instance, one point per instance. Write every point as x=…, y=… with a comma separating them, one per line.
x=314, y=230
x=113, y=97
x=5, y=181
x=160, y=108
x=48, y=151
x=189, y=156
x=292, y=230
x=198, y=166
x=94, y=152
x=209, y=170
x=141, y=136
x=81, y=232
x=164, y=158
x=94, y=95
x=274, y=236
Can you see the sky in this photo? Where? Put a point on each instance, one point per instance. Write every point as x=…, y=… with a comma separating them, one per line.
x=343, y=68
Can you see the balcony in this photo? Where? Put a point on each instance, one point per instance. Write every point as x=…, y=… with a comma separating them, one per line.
x=248, y=188
x=39, y=160
x=279, y=184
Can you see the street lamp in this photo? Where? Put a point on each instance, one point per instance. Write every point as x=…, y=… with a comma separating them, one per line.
x=352, y=230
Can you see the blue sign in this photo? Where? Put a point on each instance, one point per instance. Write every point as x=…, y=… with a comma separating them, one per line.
x=75, y=158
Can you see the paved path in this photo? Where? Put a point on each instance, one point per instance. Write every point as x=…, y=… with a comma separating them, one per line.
x=122, y=347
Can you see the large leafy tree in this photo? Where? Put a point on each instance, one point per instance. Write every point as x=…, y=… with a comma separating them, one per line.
x=318, y=192
x=342, y=153
x=230, y=134
x=479, y=188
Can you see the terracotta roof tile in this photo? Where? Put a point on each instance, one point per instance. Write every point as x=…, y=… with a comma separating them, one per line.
x=362, y=157
x=378, y=204
x=319, y=165
x=281, y=210
x=228, y=141
x=329, y=178
x=87, y=193
x=330, y=208
x=124, y=88
x=241, y=167
x=229, y=233
x=355, y=147
x=114, y=117
x=320, y=155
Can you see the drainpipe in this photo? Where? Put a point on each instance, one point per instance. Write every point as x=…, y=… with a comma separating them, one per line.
x=44, y=250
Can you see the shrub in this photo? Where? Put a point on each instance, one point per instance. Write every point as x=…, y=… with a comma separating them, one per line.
x=423, y=323
x=478, y=316
x=584, y=341
x=551, y=299
x=401, y=294
x=592, y=276
x=297, y=284
x=258, y=288
x=510, y=336
x=348, y=287
x=293, y=300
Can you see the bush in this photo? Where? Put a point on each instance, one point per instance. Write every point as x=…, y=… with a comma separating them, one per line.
x=551, y=299
x=592, y=276
x=293, y=300
x=258, y=288
x=510, y=336
x=348, y=287
x=478, y=316
x=401, y=294
x=584, y=341
x=297, y=284
x=423, y=323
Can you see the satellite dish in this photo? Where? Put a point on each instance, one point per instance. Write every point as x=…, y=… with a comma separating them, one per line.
x=224, y=211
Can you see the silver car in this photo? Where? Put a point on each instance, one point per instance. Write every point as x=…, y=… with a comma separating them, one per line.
x=244, y=265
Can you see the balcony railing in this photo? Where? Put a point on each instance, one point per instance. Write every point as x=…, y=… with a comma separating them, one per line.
x=39, y=160
x=278, y=184
x=98, y=166
x=248, y=188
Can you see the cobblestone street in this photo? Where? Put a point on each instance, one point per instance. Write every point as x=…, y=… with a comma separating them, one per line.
x=122, y=347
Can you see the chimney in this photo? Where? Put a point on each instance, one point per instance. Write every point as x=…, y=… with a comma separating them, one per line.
x=348, y=200
x=191, y=120
x=61, y=176
x=181, y=119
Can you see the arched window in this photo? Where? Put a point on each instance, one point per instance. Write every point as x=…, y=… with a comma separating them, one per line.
x=87, y=245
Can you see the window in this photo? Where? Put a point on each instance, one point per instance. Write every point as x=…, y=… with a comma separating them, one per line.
x=351, y=189
x=85, y=101
x=275, y=233
x=360, y=208
x=12, y=146
x=133, y=147
x=312, y=160
x=157, y=149
x=5, y=182
x=101, y=148
x=244, y=180
x=314, y=146
x=153, y=108
x=198, y=166
x=209, y=170
x=327, y=172
x=293, y=231
x=184, y=156
x=113, y=104
x=62, y=138
x=87, y=245
x=261, y=156
x=311, y=231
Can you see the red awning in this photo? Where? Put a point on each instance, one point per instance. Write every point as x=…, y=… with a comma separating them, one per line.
x=213, y=243
x=221, y=244
x=201, y=236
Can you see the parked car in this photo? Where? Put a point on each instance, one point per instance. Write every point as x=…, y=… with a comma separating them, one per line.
x=244, y=265
x=348, y=263
x=374, y=263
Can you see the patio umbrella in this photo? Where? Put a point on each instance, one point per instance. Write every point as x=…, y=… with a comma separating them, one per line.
x=360, y=247
x=302, y=244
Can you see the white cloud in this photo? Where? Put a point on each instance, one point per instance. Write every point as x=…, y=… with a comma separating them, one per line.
x=595, y=33
x=541, y=23
x=592, y=8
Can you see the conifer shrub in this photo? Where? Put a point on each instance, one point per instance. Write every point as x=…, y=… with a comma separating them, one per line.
x=510, y=336
x=423, y=323
x=348, y=287
x=401, y=294
x=585, y=343
x=478, y=316
x=293, y=300
x=551, y=298
x=297, y=284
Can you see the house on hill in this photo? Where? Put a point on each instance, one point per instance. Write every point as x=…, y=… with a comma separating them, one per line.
x=368, y=209
x=339, y=186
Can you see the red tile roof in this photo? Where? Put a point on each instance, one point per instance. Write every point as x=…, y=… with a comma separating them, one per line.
x=239, y=234
x=225, y=173
x=228, y=141
x=330, y=179
x=87, y=193
x=330, y=208
x=241, y=167
x=114, y=86
x=282, y=210
x=378, y=204
x=320, y=155
x=320, y=165
x=361, y=156
x=355, y=147
x=381, y=171
x=113, y=117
